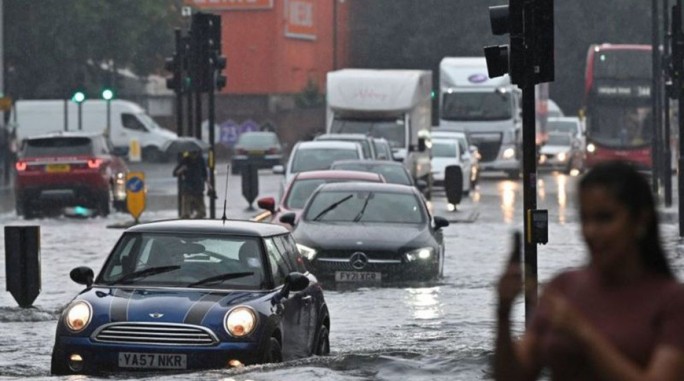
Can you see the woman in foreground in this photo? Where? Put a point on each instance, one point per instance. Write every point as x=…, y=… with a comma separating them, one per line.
x=620, y=317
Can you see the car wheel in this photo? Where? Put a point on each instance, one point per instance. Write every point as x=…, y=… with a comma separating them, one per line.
x=28, y=211
x=323, y=342
x=272, y=352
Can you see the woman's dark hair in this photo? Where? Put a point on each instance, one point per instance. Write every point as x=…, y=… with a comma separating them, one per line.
x=632, y=189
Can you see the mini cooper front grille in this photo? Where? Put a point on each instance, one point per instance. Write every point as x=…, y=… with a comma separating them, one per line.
x=155, y=334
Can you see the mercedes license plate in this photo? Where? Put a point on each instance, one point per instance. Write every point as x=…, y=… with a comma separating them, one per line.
x=357, y=276
x=152, y=360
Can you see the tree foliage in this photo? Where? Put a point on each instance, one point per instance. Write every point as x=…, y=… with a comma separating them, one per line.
x=54, y=46
x=419, y=33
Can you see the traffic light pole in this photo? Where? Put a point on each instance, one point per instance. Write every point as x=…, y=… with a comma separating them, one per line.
x=667, y=160
x=529, y=198
x=677, y=71
x=212, y=161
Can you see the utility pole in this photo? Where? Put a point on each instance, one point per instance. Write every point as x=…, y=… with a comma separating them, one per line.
x=677, y=43
x=529, y=60
x=656, y=119
x=665, y=72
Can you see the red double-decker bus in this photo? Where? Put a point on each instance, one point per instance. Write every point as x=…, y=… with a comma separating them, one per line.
x=617, y=104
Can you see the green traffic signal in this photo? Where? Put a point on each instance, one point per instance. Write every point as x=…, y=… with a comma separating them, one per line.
x=107, y=94
x=78, y=97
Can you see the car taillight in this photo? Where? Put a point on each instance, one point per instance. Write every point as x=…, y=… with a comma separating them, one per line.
x=272, y=151
x=94, y=163
x=20, y=165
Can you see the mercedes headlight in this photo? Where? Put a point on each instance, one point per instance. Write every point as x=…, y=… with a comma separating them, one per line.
x=240, y=321
x=591, y=148
x=508, y=153
x=307, y=252
x=423, y=253
x=78, y=316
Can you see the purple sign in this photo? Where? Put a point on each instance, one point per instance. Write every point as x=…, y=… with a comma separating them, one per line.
x=248, y=126
x=478, y=78
x=229, y=132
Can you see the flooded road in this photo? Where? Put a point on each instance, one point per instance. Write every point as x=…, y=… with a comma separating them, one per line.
x=441, y=331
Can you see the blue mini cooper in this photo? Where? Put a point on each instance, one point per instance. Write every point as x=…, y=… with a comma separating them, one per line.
x=183, y=295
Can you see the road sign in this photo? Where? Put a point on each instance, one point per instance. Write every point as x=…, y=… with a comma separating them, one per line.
x=5, y=103
x=136, y=193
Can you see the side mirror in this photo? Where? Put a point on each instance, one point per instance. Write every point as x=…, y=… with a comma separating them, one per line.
x=288, y=218
x=440, y=222
x=267, y=203
x=82, y=275
x=293, y=282
x=297, y=281
x=278, y=169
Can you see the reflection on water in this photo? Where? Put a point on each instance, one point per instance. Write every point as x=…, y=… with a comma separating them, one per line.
x=424, y=302
x=562, y=181
x=506, y=190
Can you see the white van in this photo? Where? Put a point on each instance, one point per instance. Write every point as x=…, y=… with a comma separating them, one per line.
x=128, y=121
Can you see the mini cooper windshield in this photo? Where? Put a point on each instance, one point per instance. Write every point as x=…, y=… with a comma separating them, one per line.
x=165, y=260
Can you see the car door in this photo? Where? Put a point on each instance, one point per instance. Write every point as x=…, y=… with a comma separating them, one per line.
x=295, y=312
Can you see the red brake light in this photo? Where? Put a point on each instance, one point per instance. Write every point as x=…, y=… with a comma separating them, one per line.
x=272, y=150
x=20, y=165
x=94, y=163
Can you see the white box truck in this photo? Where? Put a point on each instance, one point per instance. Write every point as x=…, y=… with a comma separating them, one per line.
x=385, y=103
x=128, y=122
x=487, y=109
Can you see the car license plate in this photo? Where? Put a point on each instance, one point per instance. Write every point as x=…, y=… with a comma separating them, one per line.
x=256, y=152
x=152, y=360
x=357, y=276
x=57, y=168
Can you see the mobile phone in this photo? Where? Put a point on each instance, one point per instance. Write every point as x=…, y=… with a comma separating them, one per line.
x=516, y=252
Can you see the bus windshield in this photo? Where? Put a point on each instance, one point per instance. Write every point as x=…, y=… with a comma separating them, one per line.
x=620, y=125
x=477, y=106
x=392, y=130
x=623, y=64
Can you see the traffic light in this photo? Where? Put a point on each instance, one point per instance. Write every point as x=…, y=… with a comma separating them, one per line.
x=78, y=96
x=206, y=41
x=542, y=41
x=173, y=64
x=219, y=66
x=510, y=58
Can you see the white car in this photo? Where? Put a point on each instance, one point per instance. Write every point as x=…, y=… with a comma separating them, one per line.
x=470, y=155
x=561, y=152
x=445, y=153
x=316, y=155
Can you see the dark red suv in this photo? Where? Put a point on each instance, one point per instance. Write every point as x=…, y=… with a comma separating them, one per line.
x=69, y=170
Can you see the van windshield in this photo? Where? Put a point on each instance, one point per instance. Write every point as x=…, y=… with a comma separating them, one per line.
x=147, y=121
x=466, y=106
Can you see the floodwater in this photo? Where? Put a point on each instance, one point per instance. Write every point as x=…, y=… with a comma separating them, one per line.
x=441, y=331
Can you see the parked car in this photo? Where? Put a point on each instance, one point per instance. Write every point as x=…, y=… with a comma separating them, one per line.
x=366, y=142
x=261, y=149
x=69, y=169
x=470, y=155
x=302, y=186
x=193, y=294
x=561, y=152
x=316, y=155
x=368, y=232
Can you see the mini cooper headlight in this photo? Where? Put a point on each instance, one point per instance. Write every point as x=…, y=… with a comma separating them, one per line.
x=240, y=321
x=78, y=316
x=422, y=253
x=307, y=252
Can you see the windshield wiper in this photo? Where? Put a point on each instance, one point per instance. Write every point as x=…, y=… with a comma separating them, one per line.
x=363, y=208
x=145, y=273
x=332, y=206
x=221, y=277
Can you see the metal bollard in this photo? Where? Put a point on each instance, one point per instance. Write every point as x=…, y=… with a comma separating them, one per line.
x=22, y=263
x=453, y=184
